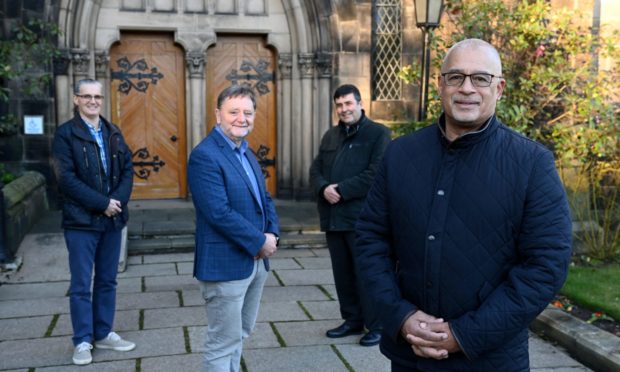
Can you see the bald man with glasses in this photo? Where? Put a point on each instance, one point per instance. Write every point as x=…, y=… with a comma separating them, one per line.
x=466, y=232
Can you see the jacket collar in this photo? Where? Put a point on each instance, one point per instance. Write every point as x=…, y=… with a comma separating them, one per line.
x=470, y=138
x=79, y=128
x=351, y=130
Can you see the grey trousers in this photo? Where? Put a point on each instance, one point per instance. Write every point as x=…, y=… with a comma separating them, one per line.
x=232, y=308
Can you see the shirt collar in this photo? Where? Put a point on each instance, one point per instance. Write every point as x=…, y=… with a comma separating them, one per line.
x=241, y=148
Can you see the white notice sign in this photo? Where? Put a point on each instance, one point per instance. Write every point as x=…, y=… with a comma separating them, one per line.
x=33, y=124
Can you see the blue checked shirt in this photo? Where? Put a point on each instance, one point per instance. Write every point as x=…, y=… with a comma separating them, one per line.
x=98, y=136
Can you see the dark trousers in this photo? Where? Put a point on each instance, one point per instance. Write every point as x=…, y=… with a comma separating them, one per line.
x=355, y=305
x=92, y=314
x=401, y=368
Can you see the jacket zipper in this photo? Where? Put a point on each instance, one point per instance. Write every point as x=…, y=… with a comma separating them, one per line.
x=85, y=156
x=99, y=168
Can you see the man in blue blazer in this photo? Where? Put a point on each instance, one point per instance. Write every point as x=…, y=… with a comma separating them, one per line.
x=236, y=228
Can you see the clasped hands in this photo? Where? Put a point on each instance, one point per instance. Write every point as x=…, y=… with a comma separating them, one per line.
x=270, y=246
x=429, y=337
x=114, y=208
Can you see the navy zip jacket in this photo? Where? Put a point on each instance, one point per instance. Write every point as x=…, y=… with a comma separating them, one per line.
x=476, y=231
x=85, y=188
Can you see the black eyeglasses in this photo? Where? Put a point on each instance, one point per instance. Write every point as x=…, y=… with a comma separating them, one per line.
x=480, y=80
x=88, y=97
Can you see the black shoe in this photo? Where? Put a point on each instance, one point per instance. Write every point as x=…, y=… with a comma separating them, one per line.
x=345, y=329
x=371, y=338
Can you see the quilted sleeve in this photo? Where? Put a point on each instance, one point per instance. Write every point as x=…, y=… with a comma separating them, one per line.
x=375, y=259
x=544, y=251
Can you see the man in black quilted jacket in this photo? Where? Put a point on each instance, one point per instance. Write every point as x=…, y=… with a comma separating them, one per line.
x=466, y=233
x=341, y=175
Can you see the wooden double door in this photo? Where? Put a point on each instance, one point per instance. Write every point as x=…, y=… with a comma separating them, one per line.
x=148, y=103
x=245, y=59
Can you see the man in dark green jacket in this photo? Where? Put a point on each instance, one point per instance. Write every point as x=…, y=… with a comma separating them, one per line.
x=341, y=176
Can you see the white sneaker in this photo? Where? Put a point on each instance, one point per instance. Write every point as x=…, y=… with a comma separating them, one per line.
x=114, y=342
x=81, y=354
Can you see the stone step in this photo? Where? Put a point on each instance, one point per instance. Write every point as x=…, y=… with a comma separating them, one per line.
x=181, y=243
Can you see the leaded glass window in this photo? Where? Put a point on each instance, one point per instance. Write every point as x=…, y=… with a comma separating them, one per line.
x=386, y=50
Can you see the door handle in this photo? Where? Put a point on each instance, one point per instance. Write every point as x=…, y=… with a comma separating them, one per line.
x=173, y=138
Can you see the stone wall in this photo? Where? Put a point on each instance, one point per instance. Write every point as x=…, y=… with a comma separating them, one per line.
x=25, y=201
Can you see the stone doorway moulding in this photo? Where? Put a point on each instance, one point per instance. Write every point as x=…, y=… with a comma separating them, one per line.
x=303, y=75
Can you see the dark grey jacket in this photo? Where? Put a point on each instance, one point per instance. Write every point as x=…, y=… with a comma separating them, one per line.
x=350, y=160
x=81, y=180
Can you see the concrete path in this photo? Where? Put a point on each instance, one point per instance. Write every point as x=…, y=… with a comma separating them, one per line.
x=159, y=307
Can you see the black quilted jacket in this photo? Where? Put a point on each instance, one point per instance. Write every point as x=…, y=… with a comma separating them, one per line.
x=477, y=232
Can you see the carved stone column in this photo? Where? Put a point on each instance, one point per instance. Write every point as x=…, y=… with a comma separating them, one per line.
x=324, y=106
x=102, y=73
x=195, y=60
x=285, y=138
x=64, y=90
x=81, y=63
x=303, y=133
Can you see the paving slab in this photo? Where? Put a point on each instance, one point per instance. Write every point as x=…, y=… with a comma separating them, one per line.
x=297, y=252
x=281, y=311
x=170, y=283
x=262, y=337
x=320, y=310
x=49, y=351
x=331, y=290
x=306, y=277
x=192, y=297
x=186, y=267
x=129, y=285
x=312, y=333
x=22, y=328
x=47, y=262
x=171, y=257
x=362, y=358
x=185, y=362
x=272, y=280
x=315, y=262
x=301, y=359
x=45, y=306
x=174, y=317
x=124, y=320
x=283, y=264
x=12, y=291
x=297, y=293
x=115, y=366
x=159, y=269
x=545, y=355
x=320, y=252
x=150, y=342
x=151, y=300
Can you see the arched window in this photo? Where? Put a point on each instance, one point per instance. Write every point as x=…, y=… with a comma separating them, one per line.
x=386, y=50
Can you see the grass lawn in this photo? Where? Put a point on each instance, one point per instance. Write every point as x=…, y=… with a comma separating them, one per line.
x=595, y=287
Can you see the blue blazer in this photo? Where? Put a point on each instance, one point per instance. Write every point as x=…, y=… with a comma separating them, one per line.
x=230, y=224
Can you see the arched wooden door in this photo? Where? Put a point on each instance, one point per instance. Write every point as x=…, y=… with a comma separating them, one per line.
x=242, y=59
x=148, y=103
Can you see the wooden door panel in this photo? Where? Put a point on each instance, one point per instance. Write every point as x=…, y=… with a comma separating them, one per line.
x=151, y=112
x=241, y=59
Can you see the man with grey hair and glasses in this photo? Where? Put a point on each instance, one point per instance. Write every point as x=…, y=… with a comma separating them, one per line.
x=466, y=232
x=95, y=176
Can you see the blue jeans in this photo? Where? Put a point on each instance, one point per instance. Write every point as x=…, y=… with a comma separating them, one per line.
x=232, y=309
x=92, y=314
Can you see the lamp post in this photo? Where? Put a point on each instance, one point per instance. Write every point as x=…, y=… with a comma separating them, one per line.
x=427, y=15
